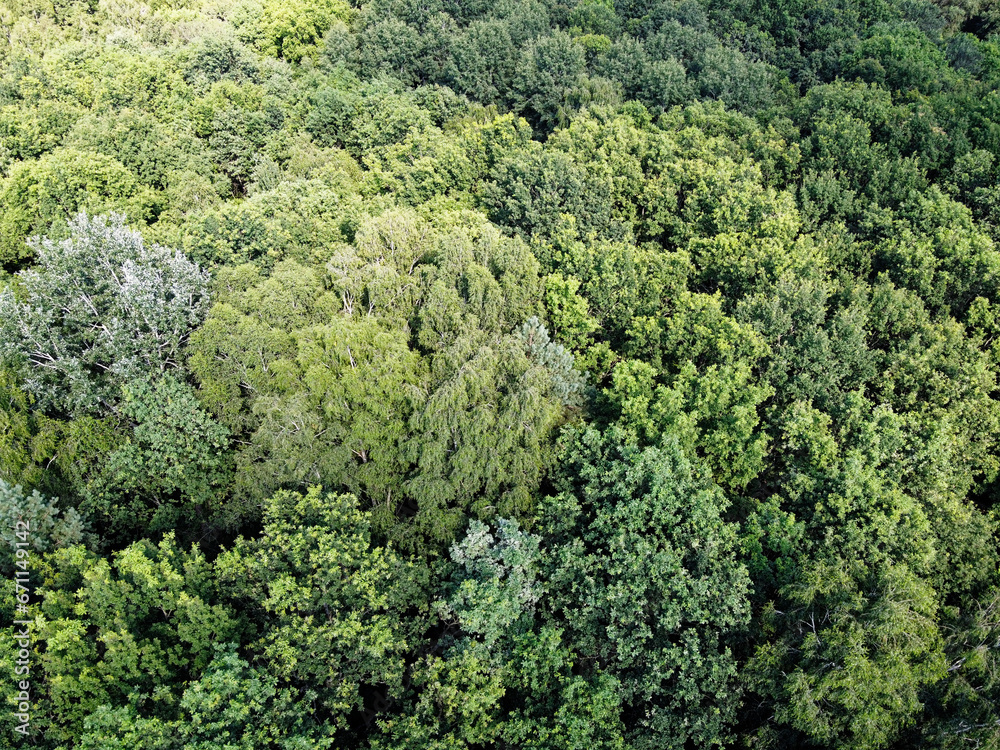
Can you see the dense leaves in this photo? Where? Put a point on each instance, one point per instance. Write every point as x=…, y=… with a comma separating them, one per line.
x=99, y=309
x=452, y=375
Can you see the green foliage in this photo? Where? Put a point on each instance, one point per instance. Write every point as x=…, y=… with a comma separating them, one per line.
x=741, y=253
x=531, y=191
x=900, y=60
x=289, y=28
x=941, y=254
x=39, y=195
x=484, y=62
x=963, y=705
x=29, y=132
x=548, y=74
x=213, y=59
x=37, y=520
x=122, y=632
x=820, y=352
x=246, y=330
x=481, y=440
x=154, y=152
x=594, y=17
x=497, y=589
x=571, y=320
x=567, y=383
x=696, y=383
x=232, y=705
x=503, y=677
x=172, y=469
x=863, y=644
x=337, y=412
x=475, y=279
x=642, y=576
x=329, y=600
x=378, y=115
x=22, y=434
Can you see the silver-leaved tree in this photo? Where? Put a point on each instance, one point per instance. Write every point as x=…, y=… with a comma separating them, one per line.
x=99, y=309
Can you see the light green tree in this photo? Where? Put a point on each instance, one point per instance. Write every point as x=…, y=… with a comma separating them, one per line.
x=329, y=601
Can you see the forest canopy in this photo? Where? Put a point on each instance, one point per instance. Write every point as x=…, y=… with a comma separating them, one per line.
x=536, y=374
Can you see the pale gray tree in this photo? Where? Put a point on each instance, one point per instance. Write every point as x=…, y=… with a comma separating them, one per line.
x=99, y=309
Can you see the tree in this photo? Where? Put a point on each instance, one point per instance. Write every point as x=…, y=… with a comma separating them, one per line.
x=695, y=382
x=901, y=59
x=940, y=253
x=246, y=330
x=857, y=644
x=642, y=575
x=329, y=603
x=337, y=413
x=173, y=469
x=148, y=148
x=822, y=349
x=232, y=705
x=213, y=59
x=45, y=194
x=549, y=72
x=480, y=441
x=288, y=222
x=237, y=133
x=23, y=432
x=44, y=524
x=530, y=191
x=962, y=708
x=568, y=312
x=502, y=676
x=392, y=47
x=935, y=373
x=289, y=28
x=567, y=383
x=483, y=63
x=124, y=632
x=76, y=337
x=474, y=278
x=594, y=17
